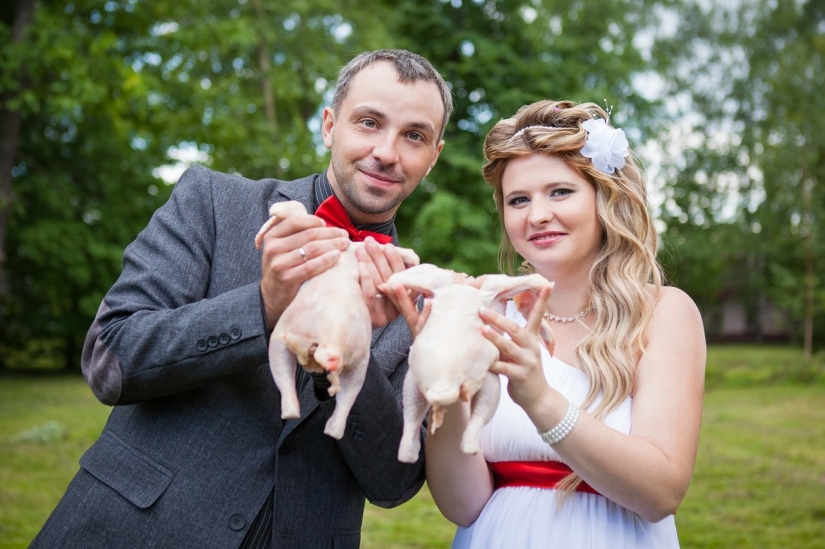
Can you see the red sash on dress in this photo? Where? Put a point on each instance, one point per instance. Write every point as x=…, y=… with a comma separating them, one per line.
x=538, y=474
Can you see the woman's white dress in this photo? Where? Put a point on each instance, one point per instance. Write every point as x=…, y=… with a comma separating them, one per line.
x=526, y=517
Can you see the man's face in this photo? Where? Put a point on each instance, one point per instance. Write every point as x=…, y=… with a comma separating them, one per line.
x=384, y=140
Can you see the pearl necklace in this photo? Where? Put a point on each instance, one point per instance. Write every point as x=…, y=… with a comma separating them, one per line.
x=580, y=314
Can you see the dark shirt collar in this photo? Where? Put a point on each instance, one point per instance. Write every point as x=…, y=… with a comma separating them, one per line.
x=323, y=190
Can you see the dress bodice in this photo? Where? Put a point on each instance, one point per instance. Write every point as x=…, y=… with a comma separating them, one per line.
x=511, y=436
x=527, y=517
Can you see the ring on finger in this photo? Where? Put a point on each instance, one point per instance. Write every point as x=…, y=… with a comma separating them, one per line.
x=379, y=296
x=302, y=253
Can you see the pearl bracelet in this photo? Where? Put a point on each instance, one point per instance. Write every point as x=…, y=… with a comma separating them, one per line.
x=563, y=428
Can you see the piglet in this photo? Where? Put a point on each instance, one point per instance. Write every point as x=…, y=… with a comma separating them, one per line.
x=327, y=328
x=450, y=358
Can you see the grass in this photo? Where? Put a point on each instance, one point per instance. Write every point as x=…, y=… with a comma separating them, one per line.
x=759, y=480
x=417, y=524
x=732, y=366
x=46, y=423
x=760, y=474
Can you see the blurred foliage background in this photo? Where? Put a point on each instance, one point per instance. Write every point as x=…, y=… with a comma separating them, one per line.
x=103, y=102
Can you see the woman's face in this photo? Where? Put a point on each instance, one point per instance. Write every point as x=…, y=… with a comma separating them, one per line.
x=550, y=214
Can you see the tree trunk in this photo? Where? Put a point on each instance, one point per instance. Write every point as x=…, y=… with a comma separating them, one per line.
x=759, y=329
x=269, y=97
x=809, y=300
x=70, y=353
x=9, y=138
x=807, y=234
x=266, y=80
x=9, y=132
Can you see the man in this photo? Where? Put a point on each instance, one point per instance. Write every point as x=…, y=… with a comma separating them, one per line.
x=194, y=453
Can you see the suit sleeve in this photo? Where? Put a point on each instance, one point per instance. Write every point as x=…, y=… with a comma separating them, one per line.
x=374, y=427
x=156, y=332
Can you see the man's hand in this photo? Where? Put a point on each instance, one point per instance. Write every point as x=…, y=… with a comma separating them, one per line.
x=377, y=263
x=294, y=250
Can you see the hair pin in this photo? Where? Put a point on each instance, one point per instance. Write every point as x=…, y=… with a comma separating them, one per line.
x=608, y=110
x=522, y=130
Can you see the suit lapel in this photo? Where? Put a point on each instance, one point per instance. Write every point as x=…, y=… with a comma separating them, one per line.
x=300, y=190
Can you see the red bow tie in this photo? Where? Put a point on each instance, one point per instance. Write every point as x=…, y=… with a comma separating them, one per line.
x=335, y=215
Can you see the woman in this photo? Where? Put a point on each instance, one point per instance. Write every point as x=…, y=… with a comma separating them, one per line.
x=595, y=445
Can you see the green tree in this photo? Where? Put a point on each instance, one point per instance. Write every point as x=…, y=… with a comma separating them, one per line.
x=751, y=77
x=105, y=93
x=245, y=81
x=16, y=18
x=81, y=178
x=499, y=56
x=102, y=94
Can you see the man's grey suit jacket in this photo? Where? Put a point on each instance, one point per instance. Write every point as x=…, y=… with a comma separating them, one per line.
x=195, y=443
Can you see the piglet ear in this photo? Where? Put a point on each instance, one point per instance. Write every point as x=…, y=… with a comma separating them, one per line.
x=547, y=337
x=424, y=279
x=505, y=286
x=524, y=290
x=524, y=302
x=291, y=208
x=409, y=256
x=277, y=213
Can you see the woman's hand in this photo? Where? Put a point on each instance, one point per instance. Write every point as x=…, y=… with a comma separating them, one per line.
x=520, y=355
x=404, y=301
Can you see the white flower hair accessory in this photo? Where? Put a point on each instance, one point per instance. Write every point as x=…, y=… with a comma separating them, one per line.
x=605, y=146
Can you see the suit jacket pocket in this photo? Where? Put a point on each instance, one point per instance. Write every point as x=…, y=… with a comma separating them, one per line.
x=132, y=474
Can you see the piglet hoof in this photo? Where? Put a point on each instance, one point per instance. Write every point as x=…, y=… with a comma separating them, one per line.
x=407, y=457
x=290, y=407
x=290, y=412
x=408, y=452
x=335, y=429
x=470, y=445
x=470, y=448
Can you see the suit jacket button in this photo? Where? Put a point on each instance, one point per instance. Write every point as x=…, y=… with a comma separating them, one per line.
x=223, y=339
x=212, y=341
x=235, y=333
x=202, y=345
x=358, y=435
x=237, y=522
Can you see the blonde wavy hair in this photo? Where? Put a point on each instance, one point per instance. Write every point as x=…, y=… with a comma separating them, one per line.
x=625, y=265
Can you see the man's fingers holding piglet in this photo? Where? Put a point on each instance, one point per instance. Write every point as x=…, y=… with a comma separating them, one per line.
x=395, y=260
x=380, y=255
x=382, y=310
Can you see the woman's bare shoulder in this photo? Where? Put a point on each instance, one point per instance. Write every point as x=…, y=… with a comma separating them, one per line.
x=671, y=297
